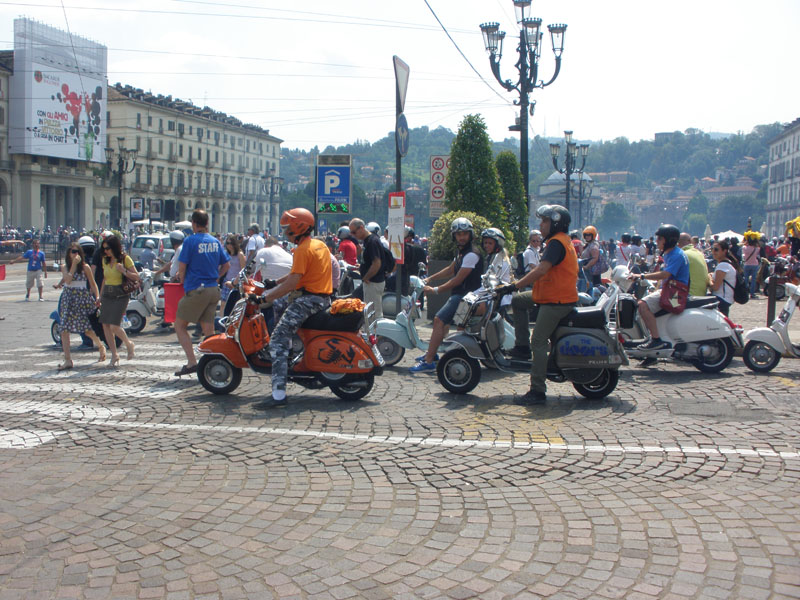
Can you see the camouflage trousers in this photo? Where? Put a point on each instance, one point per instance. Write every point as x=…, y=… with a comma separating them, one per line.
x=281, y=341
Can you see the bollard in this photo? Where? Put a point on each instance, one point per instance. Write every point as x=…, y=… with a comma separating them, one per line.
x=773, y=284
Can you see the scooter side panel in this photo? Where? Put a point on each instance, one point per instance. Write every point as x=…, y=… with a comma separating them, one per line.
x=333, y=352
x=226, y=346
x=467, y=342
x=586, y=348
x=693, y=325
x=395, y=332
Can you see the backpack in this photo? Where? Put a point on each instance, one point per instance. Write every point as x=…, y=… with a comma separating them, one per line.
x=741, y=294
x=387, y=260
x=519, y=269
x=601, y=266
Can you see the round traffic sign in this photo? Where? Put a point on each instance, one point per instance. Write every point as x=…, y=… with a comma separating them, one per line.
x=437, y=163
x=437, y=177
x=437, y=192
x=401, y=135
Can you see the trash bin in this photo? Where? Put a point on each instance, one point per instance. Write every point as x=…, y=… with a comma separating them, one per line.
x=173, y=292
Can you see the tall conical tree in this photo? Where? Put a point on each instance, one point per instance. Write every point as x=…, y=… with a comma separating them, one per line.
x=472, y=182
x=513, y=196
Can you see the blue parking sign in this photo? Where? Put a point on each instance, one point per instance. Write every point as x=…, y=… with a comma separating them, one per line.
x=333, y=189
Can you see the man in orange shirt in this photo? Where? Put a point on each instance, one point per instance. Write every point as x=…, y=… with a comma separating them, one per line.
x=311, y=275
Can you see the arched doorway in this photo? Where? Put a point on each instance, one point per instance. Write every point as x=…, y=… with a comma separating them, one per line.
x=246, y=217
x=231, y=217
x=216, y=218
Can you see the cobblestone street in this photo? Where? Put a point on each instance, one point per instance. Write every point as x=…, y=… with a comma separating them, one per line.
x=135, y=484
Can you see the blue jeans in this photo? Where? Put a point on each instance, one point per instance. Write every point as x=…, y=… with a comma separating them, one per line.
x=751, y=276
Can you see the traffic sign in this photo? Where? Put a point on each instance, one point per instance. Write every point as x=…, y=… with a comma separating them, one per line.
x=401, y=135
x=401, y=74
x=333, y=189
x=440, y=165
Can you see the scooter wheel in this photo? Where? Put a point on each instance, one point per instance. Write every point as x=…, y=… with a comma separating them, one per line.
x=355, y=390
x=391, y=351
x=601, y=387
x=458, y=372
x=217, y=375
x=54, y=333
x=137, y=321
x=760, y=357
x=720, y=359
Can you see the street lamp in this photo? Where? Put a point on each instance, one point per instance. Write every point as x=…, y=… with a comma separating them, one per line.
x=584, y=188
x=529, y=49
x=570, y=161
x=126, y=163
x=271, y=185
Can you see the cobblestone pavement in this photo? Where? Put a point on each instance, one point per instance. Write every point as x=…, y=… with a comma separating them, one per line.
x=134, y=484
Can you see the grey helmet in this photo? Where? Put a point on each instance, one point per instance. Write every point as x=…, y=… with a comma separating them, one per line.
x=150, y=244
x=495, y=234
x=373, y=227
x=343, y=233
x=558, y=215
x=409, y=232
x=462, y=224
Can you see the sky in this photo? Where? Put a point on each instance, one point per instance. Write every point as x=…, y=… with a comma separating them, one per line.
x=320, y=73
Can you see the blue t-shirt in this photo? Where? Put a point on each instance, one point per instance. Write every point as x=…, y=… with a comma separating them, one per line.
x=677, y=264
x=202, y=254
x=35, y=260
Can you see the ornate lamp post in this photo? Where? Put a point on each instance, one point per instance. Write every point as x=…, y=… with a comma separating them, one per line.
x=271, y=185
x=126, y=163
x=529, y=50
x=570, y=161
x=584, y=190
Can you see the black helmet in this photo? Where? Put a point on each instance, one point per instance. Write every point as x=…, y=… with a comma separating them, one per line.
x=558, y=215
x=409, y=232
x=626, y=238
x=670, y=233
x=636, y=239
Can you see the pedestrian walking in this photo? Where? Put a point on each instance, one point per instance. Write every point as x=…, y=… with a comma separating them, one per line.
x=117, y=267
x=77, y=302
x=202, y=262
x=36, y=266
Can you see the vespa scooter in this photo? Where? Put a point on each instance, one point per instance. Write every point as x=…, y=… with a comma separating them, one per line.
x=764, y=346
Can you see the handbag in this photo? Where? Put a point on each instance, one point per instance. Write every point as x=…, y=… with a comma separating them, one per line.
x=674, y=295
x=128, y=285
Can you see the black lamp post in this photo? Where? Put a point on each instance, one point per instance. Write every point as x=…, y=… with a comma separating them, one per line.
x=529, y=49
x=271, y=185
x=570, y=161
x=126, y=163
x=584, y=187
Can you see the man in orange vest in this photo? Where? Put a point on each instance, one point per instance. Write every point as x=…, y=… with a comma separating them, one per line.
x=555, y=291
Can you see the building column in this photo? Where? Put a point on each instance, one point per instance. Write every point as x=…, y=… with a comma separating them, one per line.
x=51, y=210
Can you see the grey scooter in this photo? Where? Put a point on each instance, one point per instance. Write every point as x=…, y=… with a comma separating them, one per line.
x=584, y=353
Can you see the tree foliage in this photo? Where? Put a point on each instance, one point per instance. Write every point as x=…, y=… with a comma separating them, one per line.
x=472, y=182
x=614, y=221
x=733, y=212
x=441, y=245
x=513, y=197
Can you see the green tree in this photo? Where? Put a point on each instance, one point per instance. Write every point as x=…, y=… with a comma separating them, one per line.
x=513, y=198
x=695, y=224
x=732, y=213
x=614, y=221
x=441, y=245
x=472, y=182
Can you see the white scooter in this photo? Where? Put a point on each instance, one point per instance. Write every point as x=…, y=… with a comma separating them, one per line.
x=764, y=346
x=700, y=335
x=143, y=304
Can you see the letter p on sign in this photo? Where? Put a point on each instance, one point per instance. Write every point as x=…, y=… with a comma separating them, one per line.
x=331, y=181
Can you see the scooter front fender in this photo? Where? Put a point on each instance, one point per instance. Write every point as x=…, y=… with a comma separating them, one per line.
x=225, y=346
x=468, y=343
x=54, y=316
x=767, y=336
x=139, y=307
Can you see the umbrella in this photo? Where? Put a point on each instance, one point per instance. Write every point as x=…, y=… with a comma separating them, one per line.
x=729, y=234
x=708, y=233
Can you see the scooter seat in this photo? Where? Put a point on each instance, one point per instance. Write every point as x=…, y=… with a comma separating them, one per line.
x=586, y=317
x=694, y=302
x=325, y=321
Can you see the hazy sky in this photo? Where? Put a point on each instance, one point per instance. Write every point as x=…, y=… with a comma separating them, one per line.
x=320, y=72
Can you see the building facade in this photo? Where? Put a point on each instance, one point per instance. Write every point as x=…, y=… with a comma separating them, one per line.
x=783, y=192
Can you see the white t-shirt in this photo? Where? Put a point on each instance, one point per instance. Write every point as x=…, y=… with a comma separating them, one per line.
x=256, y=242
x=277, y=262
x=530, y=258
x=726, y=291
x=173, y=263
x=622, y=254
x=501, y=267
x=385, y=243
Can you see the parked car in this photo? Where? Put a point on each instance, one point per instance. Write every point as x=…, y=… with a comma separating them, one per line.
x=161, y=240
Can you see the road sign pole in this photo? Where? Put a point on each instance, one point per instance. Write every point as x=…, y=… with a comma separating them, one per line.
x=401, y=74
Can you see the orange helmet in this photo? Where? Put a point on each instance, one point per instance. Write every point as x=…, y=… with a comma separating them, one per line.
x=591, y=230
x=297, y=221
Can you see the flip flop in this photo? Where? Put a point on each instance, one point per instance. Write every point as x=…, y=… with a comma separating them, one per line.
x=186, y=370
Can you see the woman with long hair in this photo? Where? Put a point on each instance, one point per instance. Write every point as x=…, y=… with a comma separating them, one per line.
x=77, y=302
x=723, y=281
x=751, y=260
x=236, y=264
x=117, y=266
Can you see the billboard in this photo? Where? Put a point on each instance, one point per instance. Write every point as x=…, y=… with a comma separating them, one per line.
x=57, y=94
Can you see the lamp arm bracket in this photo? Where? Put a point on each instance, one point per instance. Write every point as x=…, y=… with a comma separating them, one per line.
x=541, y=83
x=507, y=85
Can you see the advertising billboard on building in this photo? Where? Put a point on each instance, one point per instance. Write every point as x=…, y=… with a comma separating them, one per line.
x=57, y=94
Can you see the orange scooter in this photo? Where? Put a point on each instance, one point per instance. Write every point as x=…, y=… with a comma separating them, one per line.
x=335, y=351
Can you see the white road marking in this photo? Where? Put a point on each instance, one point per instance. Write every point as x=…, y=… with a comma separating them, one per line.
x=24, y=439
x=88, y=415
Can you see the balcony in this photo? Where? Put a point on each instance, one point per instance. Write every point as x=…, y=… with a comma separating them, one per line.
x=226, y=165
x=234, y=196
x=218, y=193
x=140, y=187
x=192, y=161
x=6, y=165
x=182, y=191
x=241, y=168
x=200, y=192
x=161, y=189
x=151, y=154
x=172, y=157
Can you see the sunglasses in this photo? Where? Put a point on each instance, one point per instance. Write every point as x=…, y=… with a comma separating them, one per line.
x=74, y=251
x=106, y=248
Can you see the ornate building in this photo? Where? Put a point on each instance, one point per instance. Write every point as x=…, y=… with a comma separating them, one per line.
x=783, y=193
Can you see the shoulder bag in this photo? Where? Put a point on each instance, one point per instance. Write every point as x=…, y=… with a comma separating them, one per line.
x=674, y=295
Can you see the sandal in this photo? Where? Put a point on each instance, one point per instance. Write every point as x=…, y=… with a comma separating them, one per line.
x=130, y=346
x=64, y=366
x=186, y=370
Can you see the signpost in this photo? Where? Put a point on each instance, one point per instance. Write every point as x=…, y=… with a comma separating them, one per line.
x=402, y=73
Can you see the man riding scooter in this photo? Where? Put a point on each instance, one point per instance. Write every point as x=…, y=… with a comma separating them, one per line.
x=310, y=275
x=555, y=291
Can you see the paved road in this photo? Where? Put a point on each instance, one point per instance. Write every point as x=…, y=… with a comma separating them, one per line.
x=131, y=483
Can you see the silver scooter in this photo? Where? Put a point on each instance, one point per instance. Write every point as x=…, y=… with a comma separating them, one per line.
x=585, y=351
x=143, y=304
x=764, y=346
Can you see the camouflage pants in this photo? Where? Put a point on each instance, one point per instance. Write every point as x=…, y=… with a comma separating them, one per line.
x=281, y=342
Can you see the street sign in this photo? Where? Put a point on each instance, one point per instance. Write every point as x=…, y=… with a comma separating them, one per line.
x=401, y=74
x=322, y=225
x=397, y=224
x=401, y=135
x=333, y=189
x=440, y=165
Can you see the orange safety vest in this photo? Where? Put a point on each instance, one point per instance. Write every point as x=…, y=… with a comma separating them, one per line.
x=559, y=285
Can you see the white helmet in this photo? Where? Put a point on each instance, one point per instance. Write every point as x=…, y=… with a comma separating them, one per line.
x=86, y=240
x=105, y=234
x=176, y=236
x=493, y=233
x=373, y=227
x=150, y=244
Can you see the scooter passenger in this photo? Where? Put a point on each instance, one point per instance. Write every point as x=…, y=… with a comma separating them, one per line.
x=493, y=242
x=465, y=276
x=310, y=275
x=555, y=281
x=676, y=265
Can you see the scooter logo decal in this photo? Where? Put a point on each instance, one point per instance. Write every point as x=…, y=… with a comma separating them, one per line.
x=574, y=345
x=333, y=354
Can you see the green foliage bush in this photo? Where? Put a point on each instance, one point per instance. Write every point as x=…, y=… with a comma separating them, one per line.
x=441, y=245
